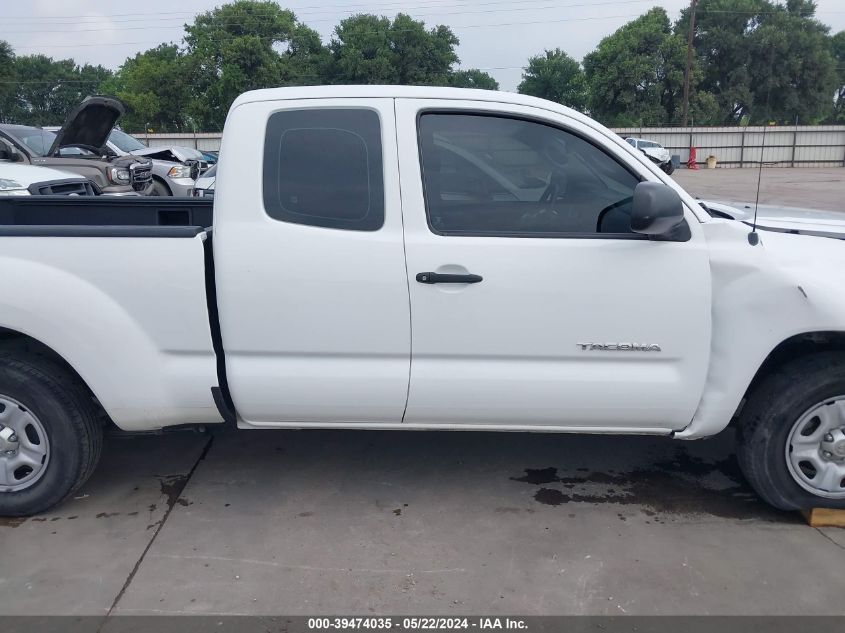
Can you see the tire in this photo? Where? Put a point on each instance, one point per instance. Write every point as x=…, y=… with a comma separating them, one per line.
x=775, y=420
x=669, y=168
x=159, y=189
x=35, y=389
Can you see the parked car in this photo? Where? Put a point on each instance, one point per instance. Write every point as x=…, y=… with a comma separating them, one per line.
x=211, y=157
x=29, y=180
x=79, y=147
x=204, y=186
x=655, y=151
x=175, y=167
x=556, y=282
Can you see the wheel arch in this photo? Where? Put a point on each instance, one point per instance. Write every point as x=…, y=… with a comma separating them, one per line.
x=793, y=348
x=14, y=341
x=163, y=182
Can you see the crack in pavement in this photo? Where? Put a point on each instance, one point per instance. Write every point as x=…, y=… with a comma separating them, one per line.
x=839, y=545
x=172, y=498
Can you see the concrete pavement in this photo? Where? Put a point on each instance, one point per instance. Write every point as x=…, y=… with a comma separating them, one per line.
x=806, y=187
x=316, y=522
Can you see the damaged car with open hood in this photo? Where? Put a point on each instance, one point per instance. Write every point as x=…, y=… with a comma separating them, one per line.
x=175, y=167
x=80, y=146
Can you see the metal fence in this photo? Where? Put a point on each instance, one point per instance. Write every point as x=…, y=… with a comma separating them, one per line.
x=777, y=146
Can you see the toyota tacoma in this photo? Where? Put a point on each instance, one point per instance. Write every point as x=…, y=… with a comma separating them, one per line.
x=387, y=257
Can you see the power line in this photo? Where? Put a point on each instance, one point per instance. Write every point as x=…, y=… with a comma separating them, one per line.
x=460, y=26
x=231, y=22
x=429, y=4
x=321, y=9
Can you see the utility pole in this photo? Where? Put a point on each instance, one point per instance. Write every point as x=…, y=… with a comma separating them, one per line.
x=688, y=70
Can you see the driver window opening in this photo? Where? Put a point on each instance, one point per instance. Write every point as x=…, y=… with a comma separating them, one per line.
x=498, y=176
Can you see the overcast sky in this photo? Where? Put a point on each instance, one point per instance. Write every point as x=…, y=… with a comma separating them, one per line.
x=496, y=35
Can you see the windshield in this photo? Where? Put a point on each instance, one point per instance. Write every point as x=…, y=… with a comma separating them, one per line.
x=125, y=142
x=38, y=141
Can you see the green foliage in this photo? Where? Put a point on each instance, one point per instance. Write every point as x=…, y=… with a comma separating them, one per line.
x=154, y=85
x=635, y=76
x=7, y=78
x=754, y=60
x=838, y=51
x=557, y=77
x=793, y=72
x=47, y=89
x=722, y=31
x=472, y=78
x=242, y=46
x=763, y=60
x=368, y=49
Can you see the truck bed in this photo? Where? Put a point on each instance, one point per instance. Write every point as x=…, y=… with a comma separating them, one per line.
x=84, y=275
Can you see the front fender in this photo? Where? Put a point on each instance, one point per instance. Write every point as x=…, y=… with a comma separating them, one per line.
x=763, y=295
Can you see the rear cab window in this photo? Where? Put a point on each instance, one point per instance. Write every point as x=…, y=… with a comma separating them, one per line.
x=324, y=167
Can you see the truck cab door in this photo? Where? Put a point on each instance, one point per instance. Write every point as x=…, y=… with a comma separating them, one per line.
x=310, y=265
x=533, y=303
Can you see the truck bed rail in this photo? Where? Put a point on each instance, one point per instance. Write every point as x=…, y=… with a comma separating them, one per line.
x=64, y=212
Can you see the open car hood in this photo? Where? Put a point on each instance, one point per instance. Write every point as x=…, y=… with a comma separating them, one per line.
x=169, y=153
x=89, y=124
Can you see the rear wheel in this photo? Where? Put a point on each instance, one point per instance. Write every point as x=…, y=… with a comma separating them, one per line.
x=792, y=434
x=50, y=435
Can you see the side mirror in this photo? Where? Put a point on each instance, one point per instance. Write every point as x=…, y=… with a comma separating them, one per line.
x=656, y=210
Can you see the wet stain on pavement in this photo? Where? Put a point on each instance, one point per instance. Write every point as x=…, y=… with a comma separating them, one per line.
x=11, y=522
x=681, y=486
x=172, y=486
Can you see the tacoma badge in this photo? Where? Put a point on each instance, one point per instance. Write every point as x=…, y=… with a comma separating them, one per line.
x=620, y=347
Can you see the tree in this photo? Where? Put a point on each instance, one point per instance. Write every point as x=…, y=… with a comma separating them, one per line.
x=155, y=86
x=472, y=78
x=635, y=76
x=7, y=80
x=838, y=46
x=369, y=49
x=242, y=46
x=557, y=77
x=764, y=61
x=48, y=89
x=722, y=29
x=793, y=72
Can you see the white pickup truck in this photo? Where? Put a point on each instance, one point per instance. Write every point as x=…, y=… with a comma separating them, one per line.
x=418, y=258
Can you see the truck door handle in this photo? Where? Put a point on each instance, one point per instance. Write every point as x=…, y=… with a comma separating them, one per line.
x=444, y=278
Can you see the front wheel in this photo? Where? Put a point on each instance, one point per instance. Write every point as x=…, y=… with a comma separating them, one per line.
x=159, y=189
x=792, y=434
x=668, y=167
x=50, y=435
